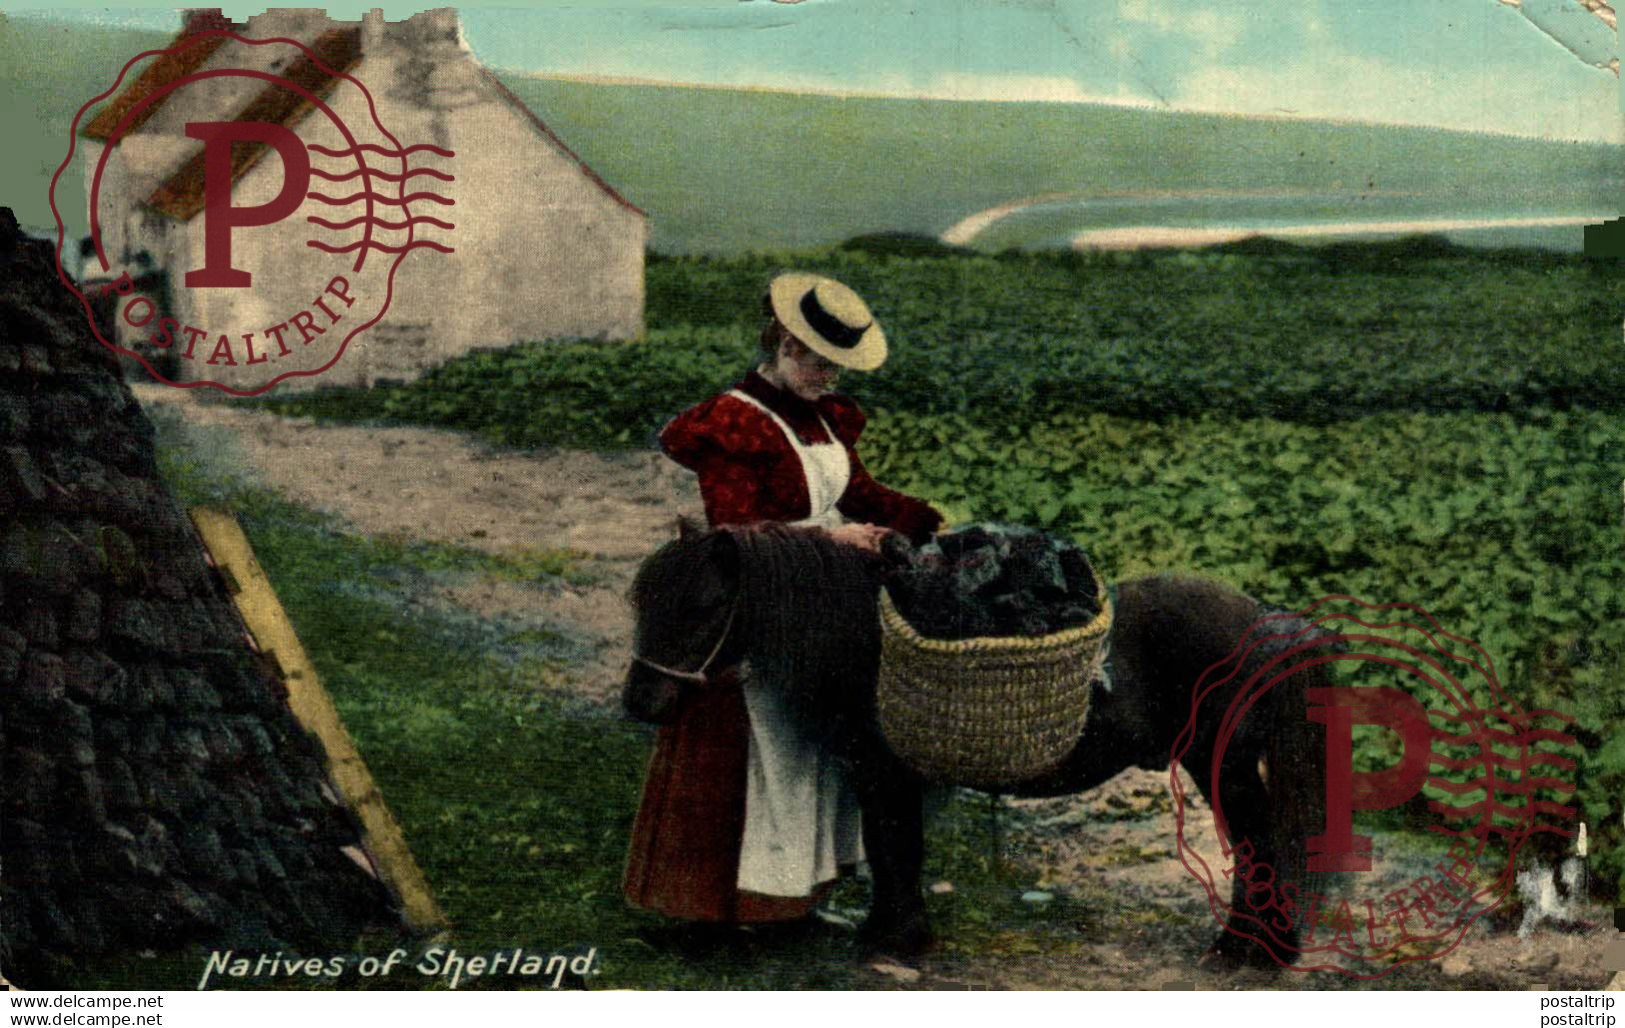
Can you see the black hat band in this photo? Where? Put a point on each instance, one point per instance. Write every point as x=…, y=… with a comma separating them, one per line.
x=833, y=329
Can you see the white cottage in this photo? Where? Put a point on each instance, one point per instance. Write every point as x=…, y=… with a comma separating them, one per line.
x=543, y=248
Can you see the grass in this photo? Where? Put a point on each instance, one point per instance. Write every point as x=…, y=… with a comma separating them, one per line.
x=521, y=565
x=516, y=800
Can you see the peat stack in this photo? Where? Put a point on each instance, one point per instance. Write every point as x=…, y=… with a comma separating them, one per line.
x=158, y=791
x=992, y=580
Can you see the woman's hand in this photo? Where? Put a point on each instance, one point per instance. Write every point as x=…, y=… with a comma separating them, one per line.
x=864, y=536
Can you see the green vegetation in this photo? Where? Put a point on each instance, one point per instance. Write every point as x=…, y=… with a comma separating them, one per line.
x=1306, y=335
x=525, y=566
x=1506, y=530
x=50, y=71
x=719, y=172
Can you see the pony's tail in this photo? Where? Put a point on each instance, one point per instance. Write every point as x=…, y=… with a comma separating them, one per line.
x=1296, y=781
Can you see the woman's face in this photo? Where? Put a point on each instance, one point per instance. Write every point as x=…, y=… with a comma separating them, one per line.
x=803, y=372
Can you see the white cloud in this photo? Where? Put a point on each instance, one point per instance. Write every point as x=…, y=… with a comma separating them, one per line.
x=1346, y=86
x=1215, y=31
x=943, y=86
x=959, y=85
x=1048, y=88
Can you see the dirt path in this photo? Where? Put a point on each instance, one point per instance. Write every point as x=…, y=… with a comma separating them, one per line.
x=1116, y=845
x=425, y=485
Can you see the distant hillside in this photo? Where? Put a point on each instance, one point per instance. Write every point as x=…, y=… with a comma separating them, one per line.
x=50, y=70
x=727, y=171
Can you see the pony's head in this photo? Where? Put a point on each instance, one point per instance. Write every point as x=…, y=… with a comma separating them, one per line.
x=686, y=605
x=795, y=603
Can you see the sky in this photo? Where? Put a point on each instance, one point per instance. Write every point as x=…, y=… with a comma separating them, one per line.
x=1480, y=65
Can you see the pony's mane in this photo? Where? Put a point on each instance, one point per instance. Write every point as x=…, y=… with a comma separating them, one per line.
x=672, y=566
x=808, y=620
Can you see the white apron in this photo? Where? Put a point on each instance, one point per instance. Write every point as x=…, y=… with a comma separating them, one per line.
x=801, y=818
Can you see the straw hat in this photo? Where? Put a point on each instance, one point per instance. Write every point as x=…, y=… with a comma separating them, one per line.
x=831, y=319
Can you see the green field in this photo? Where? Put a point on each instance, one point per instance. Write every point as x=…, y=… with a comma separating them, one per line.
x=1312, y=335
x=727, y=171
x=1400, y=422
x=49, y=71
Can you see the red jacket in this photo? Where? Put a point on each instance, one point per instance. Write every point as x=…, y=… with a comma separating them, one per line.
x=748, y=471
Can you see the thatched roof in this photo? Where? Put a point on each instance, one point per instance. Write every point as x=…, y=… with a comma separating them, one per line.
x=158, y=792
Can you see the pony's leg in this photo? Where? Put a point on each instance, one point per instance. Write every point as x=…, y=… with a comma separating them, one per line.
x=893, y=803
x=1257, y=936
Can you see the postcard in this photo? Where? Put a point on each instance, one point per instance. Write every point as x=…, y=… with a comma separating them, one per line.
x=815, y=495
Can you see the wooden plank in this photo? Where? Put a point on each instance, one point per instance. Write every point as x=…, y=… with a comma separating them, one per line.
x=274, y=634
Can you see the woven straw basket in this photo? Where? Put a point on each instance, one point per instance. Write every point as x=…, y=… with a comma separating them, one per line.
x=988, y=712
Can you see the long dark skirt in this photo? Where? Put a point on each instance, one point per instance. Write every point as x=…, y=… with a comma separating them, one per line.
x=684, y=858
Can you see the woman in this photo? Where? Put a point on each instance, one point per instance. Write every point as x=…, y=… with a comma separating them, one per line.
x=744, y=819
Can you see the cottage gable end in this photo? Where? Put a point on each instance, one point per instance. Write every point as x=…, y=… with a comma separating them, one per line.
x=338, y=48
x=512, y=236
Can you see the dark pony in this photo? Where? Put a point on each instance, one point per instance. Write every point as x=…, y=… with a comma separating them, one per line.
x=802, y=610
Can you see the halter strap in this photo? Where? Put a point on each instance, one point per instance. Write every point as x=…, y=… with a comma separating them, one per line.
x=697, y=677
